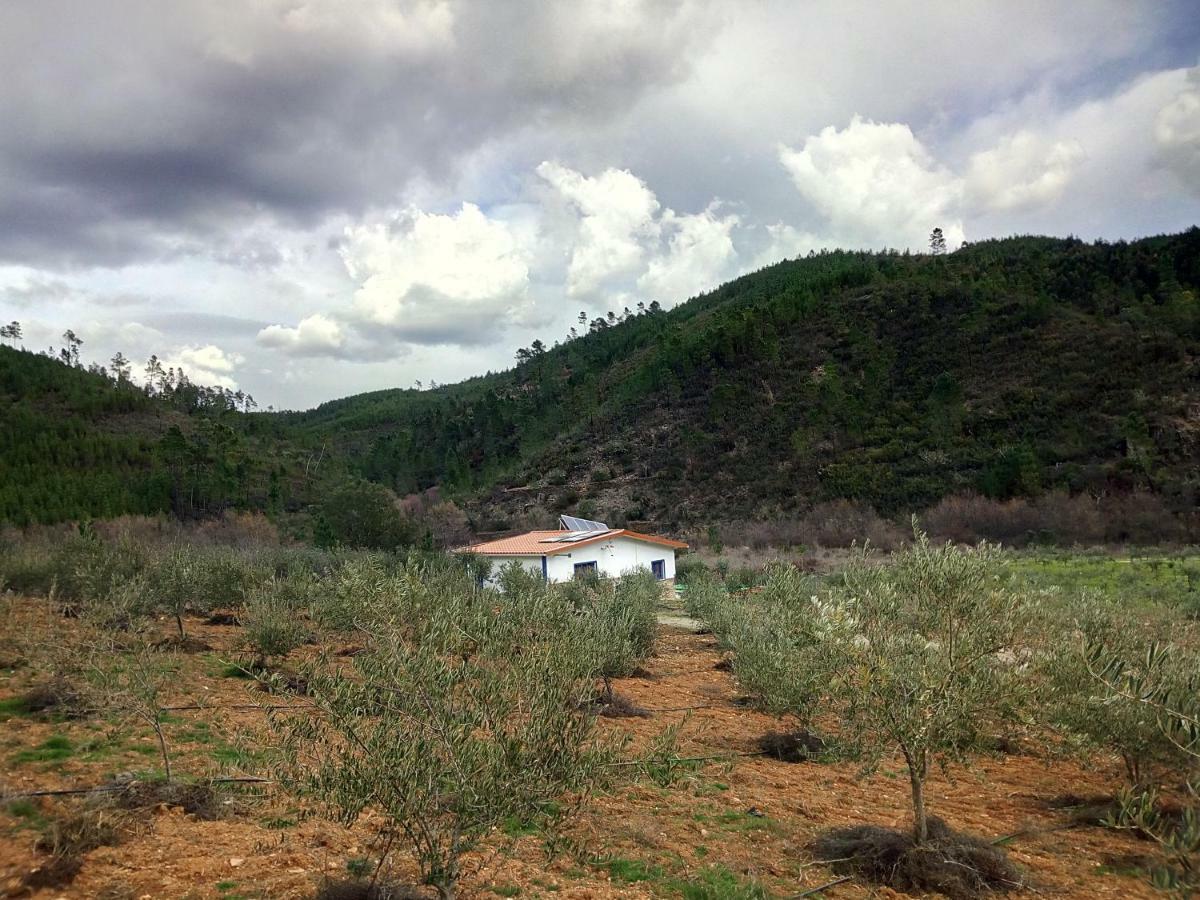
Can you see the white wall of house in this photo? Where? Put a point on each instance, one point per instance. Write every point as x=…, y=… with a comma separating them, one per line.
x=612, y=558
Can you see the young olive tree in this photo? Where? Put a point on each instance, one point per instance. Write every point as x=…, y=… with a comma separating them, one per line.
x=777, y=640
x=618, y=617
x=134, y=684
x=186, y=579
x=924, y=652
x=1094, y=719
x=271, y=617
x=459, y=716
x=1165, y=681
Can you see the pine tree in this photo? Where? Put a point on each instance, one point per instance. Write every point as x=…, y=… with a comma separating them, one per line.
x=937, y=242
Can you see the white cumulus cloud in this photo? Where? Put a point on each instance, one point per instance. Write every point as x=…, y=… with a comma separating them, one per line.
x=617, y=217
x=1023, y=171
x=699, y=255
x=433, y=278
x=876, y=185
x=207, y=364
x=315, y=335
x=1177, y=132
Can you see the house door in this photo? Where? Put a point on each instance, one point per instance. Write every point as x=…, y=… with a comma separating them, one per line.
x=659, y=568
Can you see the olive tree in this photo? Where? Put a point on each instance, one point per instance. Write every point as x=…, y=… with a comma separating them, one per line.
x=271, y=617
x=134, y=684
x=618, y=618
x=777, y=640
x=1164, y=681
x=923, y=652
x=467, y=709
x=1094, y=719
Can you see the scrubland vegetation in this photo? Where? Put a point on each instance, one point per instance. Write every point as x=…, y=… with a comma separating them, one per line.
x=466, y=738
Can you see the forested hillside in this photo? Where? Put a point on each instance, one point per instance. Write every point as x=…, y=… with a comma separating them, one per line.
x=78, y=444
x=1008, y=368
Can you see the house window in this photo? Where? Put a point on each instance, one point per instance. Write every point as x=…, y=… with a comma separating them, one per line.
x=659, y=568
x=583, y=570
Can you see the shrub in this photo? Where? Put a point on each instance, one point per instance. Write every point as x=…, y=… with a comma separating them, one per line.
x=343, y=600
x=1153, y=681
x=687, y=568
x=457, y=719
x=89, y=568
x=619, y=619
x=184, y=579
x=365, y=515
x=271, y=617
x=776, y=636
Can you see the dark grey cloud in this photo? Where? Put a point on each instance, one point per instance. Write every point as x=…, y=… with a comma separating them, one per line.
x=140, y=127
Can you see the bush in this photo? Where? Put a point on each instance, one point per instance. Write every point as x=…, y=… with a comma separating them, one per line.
x=775, y=636
x=1056, y=517
x=619, y=619
x=688, y=568
x=494, y=687
x=89, y=568
x=271, y=617
x=363, y=515
x=185, y=579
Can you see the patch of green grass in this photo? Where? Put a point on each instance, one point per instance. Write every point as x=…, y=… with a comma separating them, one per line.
x=517, y=827
x=506, y=890
x=14, y=706
x=631, y=871
x=278, y=823
x=28, y=812
x=199, y=733
x=1145, y=581
x=232, y=670
x=718, y=883
x=229, y=755
x=700, y=850
x=226, y=886
x=546, y=885
x=359, y=867
x=54, y=749
x=98, y=748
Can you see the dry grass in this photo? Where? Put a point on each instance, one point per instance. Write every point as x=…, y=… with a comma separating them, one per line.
x=957, y=865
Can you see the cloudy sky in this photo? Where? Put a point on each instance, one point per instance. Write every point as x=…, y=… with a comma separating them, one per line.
x=311, y=198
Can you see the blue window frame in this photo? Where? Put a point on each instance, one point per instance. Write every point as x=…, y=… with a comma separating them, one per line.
x=544, y=575
x=584, y=569
x=659, y=568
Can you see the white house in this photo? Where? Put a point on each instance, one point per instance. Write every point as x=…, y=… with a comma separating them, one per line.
x=579, y=547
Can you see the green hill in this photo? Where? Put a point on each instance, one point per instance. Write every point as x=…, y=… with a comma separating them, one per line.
x=78, y=444
x=1009, y=368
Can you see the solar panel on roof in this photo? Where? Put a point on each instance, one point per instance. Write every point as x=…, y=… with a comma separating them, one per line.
x=574, y=523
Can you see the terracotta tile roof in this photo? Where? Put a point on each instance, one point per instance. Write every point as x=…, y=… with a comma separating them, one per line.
x=533, y=543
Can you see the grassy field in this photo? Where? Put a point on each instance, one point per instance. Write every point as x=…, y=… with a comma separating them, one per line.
x=1154, y=580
